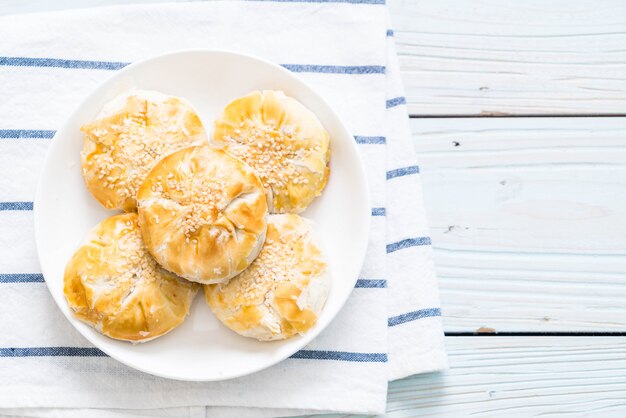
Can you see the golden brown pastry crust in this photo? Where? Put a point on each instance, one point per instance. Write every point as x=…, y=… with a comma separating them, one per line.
x=114, y=285
x=203, y=214
x=123, y=145
x=284, y=290
x=283, y=141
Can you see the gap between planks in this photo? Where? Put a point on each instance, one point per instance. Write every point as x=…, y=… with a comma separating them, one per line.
x=507, y=115
x=488, y=332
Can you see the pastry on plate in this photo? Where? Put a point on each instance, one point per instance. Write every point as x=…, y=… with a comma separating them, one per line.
x=283, y=141
x=203, y=214
x=114, y=285
x=284, y=290
x=129, y=135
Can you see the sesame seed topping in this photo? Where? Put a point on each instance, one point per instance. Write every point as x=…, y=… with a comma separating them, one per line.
x=271, y=152
x=274, y=264
x=203, y=200
x=130, y=143
x=133, y=263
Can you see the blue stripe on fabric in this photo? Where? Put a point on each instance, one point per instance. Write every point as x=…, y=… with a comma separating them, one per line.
x=371, y=284
x=29, y=133
x=381, y=140
x=406, y=243
x=38, y=278
x=21, y=278
x=94, y=352
x=335, y=69
x=413, y=316
x=404, y=171
x=341, y=356
x=16, y=206
x=61, y=63
x=25, y=133
x=325, y=1
x=396, y=101
x=51, y=352
x=114, y=65
x=390, y=32
x=379, y=212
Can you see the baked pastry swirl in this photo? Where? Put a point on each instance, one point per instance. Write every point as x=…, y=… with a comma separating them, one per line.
x=203, y=214
x=284, y=290
x=283, y=141
x=131, y=133
x=114, y=285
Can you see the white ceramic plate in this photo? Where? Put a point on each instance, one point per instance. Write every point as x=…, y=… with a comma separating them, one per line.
x=201, y=349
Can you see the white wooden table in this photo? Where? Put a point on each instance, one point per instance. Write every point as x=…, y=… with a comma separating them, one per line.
x=519, y=118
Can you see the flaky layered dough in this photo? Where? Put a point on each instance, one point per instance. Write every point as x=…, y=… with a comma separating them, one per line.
x=203, y=214
x=131, y=134
x=114, y=285
x=283, y=141
x=284, y=290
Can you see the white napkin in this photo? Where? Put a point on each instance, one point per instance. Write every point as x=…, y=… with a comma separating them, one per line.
x=391, y=325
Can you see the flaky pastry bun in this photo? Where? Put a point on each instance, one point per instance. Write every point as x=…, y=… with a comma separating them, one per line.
x=283, y=141
x=114, y=285
x=283, y=292
x=132, y=132
x=202, y=214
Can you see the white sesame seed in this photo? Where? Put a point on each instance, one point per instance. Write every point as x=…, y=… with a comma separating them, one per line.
x=270, y=152
x=136, y=143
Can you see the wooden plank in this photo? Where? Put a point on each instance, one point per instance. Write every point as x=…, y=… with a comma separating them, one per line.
x=498, y=376
x=519, y=58
x=519, y=376
x=528, y=219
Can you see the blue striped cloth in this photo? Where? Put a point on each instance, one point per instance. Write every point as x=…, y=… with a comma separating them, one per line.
x=391, y=325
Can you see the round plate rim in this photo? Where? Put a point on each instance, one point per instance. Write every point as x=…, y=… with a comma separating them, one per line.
x=37, y=215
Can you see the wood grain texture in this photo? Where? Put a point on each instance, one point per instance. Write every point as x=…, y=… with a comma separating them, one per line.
x=513, y=376
x=525, y=57
x=528, y=218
